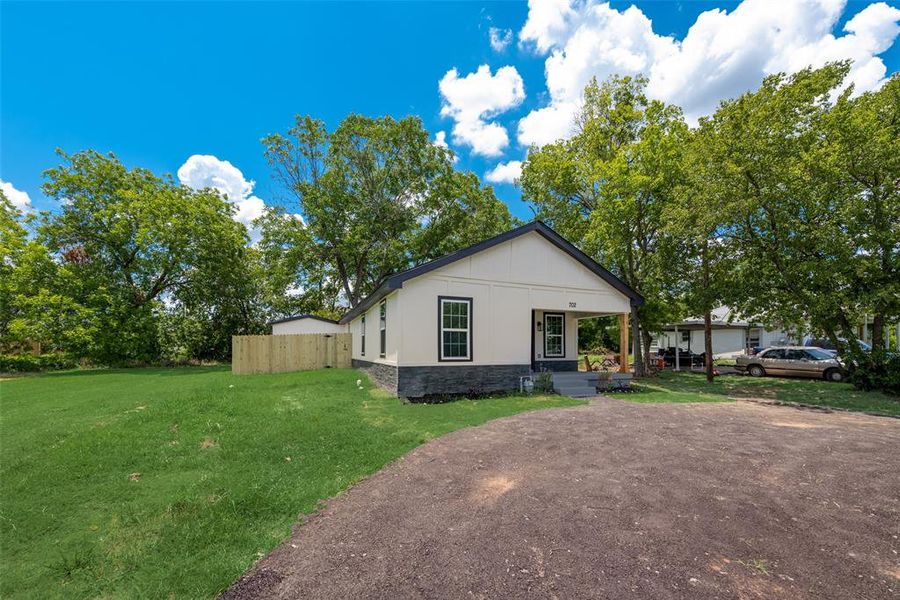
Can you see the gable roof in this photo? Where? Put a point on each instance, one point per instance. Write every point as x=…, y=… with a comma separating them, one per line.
x=395, y=281
x=299, y=317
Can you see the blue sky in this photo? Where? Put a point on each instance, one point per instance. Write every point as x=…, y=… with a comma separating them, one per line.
x=157, y=83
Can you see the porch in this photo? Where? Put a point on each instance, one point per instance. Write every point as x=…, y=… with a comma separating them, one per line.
x=554, y=340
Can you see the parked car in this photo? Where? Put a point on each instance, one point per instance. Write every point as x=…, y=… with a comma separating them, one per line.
x=825, y=344
x=797, y=361
x=685, y=358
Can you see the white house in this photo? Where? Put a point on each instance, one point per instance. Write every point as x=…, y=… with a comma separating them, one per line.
x=481, y=318
x=731, y=334
x=306, y=324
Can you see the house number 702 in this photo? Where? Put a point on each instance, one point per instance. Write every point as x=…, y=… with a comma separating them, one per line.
x=571, y=305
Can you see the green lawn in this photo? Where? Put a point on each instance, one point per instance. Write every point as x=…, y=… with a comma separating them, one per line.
x=171, y=482
x=692, y=387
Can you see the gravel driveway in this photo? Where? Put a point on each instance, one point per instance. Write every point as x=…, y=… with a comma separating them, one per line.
x=615, y=500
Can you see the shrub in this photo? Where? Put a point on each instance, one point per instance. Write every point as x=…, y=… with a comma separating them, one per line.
x=29, y=363
x=876, y=371
x=543, y=382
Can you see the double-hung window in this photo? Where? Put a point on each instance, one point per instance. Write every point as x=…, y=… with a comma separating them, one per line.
x=455, y=325
x=383, y=327
x=362, y=335
x=554, y=335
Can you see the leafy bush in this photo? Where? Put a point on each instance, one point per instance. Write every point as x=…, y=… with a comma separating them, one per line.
x=543, y=382
x=29, y=363
x=877, y=371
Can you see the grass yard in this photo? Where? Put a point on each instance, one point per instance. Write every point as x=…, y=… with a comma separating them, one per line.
x=172, y=482
x=692, y=387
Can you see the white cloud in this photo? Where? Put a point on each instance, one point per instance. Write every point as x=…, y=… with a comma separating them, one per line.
x=506, y=172
x=206, y=171
x=473, y=100
x=440, y=140
x=723, y=54
x=500, y=38
x=21, y=200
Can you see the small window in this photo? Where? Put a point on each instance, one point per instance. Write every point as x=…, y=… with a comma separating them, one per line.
x=362, y=335
x=685, y=336
x=554, y=335
x=383, y=327
x=455, y=323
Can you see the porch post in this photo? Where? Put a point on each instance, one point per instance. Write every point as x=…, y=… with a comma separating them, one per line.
x=677, y=350
x=623, y=343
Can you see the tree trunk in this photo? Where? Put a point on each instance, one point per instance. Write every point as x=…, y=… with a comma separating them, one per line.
x=647, y=340
x=707, y=315
x=878, y=331
x=639, y=370
x=707, y=345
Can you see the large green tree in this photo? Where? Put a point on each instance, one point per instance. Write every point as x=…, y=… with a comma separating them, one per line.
x=806, y=190
x=37, y=303
x=130, y=241
x=607, y=189
x=859, y=161
x=376, y=196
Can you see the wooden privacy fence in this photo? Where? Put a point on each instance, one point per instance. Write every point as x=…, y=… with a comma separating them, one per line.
x=294, y=352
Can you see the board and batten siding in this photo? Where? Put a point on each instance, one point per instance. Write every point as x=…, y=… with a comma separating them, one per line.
x=506, y=282
x=373, y=334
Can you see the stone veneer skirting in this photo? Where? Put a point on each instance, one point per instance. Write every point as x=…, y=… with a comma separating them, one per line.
x=415, y=382
x=555, y=365
x=384, y=376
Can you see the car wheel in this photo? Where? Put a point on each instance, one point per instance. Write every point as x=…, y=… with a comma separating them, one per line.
x=756, y=371
x=835, y=375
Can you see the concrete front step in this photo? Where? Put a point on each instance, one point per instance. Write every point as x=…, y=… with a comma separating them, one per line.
x=576, y=391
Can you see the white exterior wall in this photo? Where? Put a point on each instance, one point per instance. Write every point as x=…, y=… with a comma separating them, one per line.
x=393, y=320
x=505, y=283
x=725, y=342
x=776, y=337
x=307, y=325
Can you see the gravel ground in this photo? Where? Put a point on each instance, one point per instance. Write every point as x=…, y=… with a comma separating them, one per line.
x=615, y=500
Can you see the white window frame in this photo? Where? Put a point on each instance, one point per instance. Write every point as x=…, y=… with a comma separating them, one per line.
x=561, y=335
x=442, y=300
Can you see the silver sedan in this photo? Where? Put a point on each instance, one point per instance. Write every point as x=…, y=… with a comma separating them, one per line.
x=797, y=361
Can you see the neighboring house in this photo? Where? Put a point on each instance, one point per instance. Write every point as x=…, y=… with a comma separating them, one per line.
x=731, y=335
x=481, y=318
x=306, y=324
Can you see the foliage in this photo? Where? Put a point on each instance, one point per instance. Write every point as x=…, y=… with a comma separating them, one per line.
x=117, y=484
x=877, y=370
x=607, y=189
x=806, y=193
x=377, y=197
x=596, y=336
x=124, y=243
x=543, y=382
x=29, y=363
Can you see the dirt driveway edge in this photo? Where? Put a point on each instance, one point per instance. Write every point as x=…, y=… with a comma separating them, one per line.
x=615, y=499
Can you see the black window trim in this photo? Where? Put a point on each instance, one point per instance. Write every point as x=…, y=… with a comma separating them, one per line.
x=555, y=314
x=440, y=328
x=382, y=329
